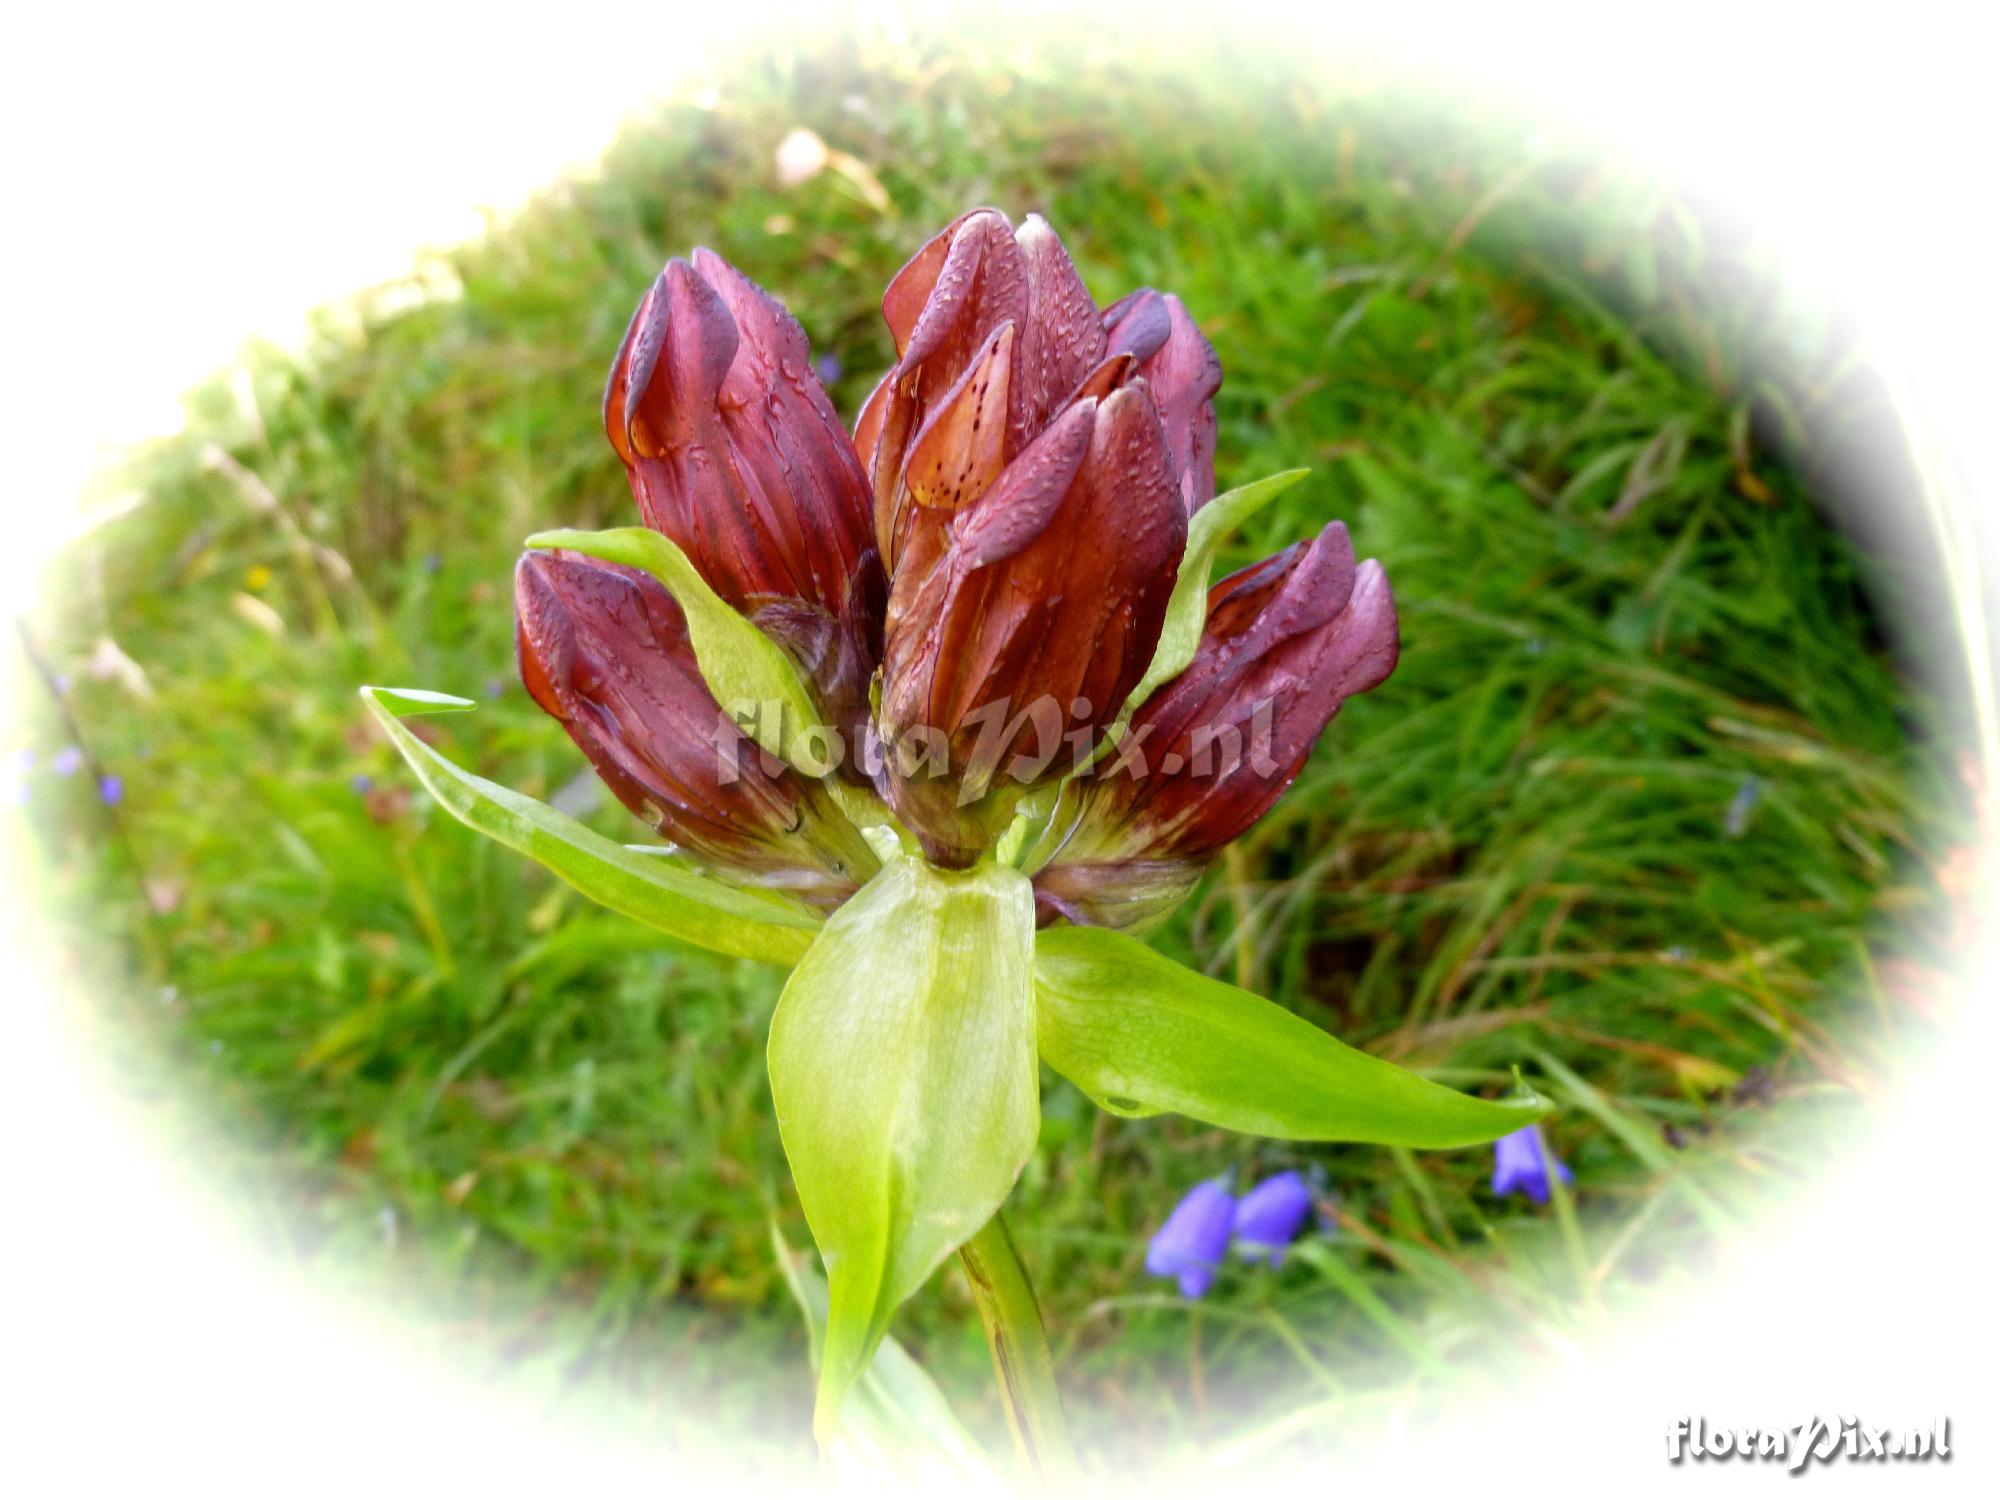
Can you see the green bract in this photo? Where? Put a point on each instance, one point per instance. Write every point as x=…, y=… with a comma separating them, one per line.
x=903, y=1070
x=1187, y=606
x=659, y=892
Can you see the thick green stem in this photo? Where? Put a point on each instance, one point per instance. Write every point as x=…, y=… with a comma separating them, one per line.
x=1020, y=1348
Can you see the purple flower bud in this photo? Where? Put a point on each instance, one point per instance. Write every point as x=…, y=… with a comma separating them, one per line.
x=734, y=451
x=1287, y=641
x=1028, y=503
x=829, y=369
x=1522, y=1163
x=362, y=783
x=66, y=761
x=605, y=651
x=1190, y=1245
x=111, y=789
x=1271, y=1215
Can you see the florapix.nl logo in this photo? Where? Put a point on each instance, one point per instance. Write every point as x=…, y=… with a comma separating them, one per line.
x=1816, y=1440
x=1001, y=741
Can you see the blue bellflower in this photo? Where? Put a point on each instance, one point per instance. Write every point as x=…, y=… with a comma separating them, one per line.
x=1271, y=1215
x=1191, y=1244
x=1522, y=1163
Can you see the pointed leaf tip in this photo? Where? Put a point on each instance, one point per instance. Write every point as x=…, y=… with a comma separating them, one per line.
x=725, y=918
x=415, y=700
x=1137, y=1031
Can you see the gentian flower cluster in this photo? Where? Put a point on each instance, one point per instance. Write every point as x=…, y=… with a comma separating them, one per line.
x=972, y=587
x=1191, y=1245
x=936, y=715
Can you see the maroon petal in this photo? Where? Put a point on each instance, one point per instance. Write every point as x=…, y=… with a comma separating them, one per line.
x=941, y=308
x=604, y=650
x=1137, y=324
x=682, y=322
x=1185, y=375
x=936, y=608
x=1184, y=372
x=1037, y=483
x=945, y=307
x=1034, y=622
x=735, y=453
x=1109, y=558
x=961, y=447
x=1063, y=337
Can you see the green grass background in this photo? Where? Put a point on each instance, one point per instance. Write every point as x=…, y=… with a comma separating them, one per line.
x=1582, y=426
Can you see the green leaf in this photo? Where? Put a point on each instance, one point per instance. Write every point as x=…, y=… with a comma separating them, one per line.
x=1187, y=606
x=748, y=672
x=897, y=1425
x=657, y=892
x=903, y=1070
x=417, y=700
x=1140, y=1033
